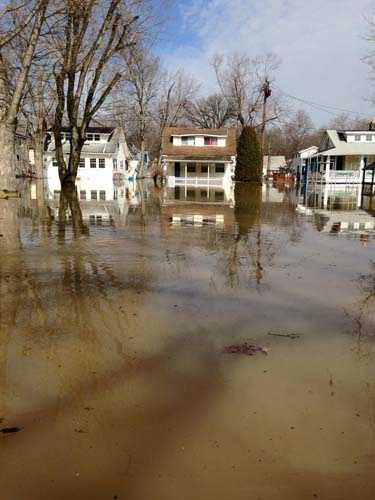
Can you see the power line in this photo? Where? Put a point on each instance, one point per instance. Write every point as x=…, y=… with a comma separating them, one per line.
x=321, y=107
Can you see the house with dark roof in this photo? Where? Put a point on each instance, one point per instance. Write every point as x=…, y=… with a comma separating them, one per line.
x=105, y=156
x=199, y=157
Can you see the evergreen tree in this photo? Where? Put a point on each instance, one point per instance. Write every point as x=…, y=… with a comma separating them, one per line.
x=249, y=157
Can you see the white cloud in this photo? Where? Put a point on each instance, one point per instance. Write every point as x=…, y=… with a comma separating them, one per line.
x=320, y=43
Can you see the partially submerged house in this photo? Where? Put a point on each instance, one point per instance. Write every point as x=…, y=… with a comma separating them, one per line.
x=105, y=157
x=304, y=161
x=199, y=157
x=273, y=165
x=343, y=155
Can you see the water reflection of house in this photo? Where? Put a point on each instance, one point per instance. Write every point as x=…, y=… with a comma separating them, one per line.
x=355, y=223
x=197, y=206
x=199, y=157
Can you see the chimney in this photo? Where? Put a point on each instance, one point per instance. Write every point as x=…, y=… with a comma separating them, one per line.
x=372, y=124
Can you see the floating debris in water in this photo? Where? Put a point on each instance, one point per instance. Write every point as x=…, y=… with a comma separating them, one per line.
x=292, y=336
x=10, y=430
x=245, y=348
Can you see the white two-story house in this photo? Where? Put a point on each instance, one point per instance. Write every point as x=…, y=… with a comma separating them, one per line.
x=199, y=157
x=343, y=155
x=105, y=157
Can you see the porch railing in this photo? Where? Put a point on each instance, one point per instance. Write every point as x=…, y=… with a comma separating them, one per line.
x=341, y=176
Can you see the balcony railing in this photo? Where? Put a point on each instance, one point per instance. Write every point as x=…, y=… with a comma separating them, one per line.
x=341, y=177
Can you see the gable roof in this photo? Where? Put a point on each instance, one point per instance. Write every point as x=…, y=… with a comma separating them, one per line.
x=275, y=162
x=199, y=152
x=334, y=143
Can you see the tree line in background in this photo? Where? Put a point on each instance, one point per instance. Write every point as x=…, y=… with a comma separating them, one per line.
x=80, y=62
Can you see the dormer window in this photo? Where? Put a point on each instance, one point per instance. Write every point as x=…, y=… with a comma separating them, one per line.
x=89, y=137
x=369, y=138
x=210, y=141
x=357, y=138
x=188, y=141
x=96, y=137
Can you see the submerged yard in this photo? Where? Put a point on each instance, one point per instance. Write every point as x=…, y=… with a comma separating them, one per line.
x=116, y=381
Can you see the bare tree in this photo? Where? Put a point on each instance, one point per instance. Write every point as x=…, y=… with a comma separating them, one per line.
x=30, y=15
x=214, y=111
x=343, y=121
x=246, y=84
x=92, y=33
x=294, y=134
x=176, y=91
x=140, y=87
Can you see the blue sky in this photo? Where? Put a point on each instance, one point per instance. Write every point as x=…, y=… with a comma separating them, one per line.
x=320, y=42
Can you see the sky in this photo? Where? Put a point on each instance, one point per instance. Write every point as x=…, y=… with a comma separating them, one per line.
x=321, y=44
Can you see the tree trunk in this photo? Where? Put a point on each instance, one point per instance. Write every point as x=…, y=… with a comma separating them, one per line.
x=7, y=158
x=39, y=153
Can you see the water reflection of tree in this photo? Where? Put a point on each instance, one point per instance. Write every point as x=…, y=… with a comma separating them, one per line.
x=254, y=245
x=364, y=315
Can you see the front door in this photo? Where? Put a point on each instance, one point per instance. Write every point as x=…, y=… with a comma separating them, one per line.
x=177, y=169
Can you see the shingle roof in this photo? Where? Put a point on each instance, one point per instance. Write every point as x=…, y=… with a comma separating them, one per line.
x=344, y=148
x=275, y=162
x=203, y=152
x=92, y=148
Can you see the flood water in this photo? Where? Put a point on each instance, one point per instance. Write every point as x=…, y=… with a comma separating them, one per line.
x=113, y=326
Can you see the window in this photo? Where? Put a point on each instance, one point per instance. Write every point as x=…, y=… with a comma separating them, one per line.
x=121, y=165
x=219, y=195
x=102, y=195
x=94, y=195
x=101, y=162
x=54, y=162
x=82, y=163
x=191, y=168
x=204, y=169
x=188, y=141
x=190, y=194
x=89, y=137
x=357, y=138
x=115, y=194
x=92, y=162
x=126, y=165
x=56, y=195
x=204, y=194
x=369, y=138
x=97, y=137
x=114, y=164
x=220, y=168
x=210, y=141
x=82, y=195
x=67, y=136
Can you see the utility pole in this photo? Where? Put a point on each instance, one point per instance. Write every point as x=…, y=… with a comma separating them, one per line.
x=267, y=92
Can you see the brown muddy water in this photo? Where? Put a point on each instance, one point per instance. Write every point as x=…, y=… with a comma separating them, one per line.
x=113, y=327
